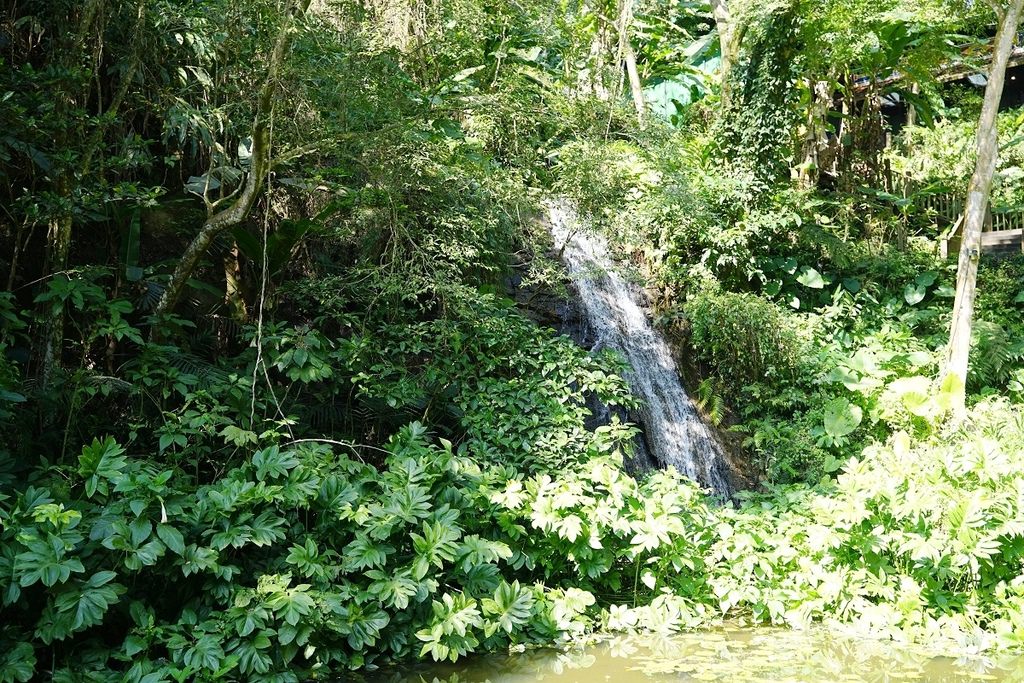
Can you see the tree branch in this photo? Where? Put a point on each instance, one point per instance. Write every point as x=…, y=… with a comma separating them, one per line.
x=260, y=167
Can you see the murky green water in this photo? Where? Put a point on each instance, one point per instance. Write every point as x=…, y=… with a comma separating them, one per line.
x=729, y=656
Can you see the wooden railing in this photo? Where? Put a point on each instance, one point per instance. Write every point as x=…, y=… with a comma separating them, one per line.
x=1003, y=231
x=1007, y=220
x=947, y=205
x=951, y=207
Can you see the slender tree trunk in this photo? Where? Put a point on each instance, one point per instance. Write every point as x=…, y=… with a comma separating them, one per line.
x=233, y=298
x=59, y=232
x=911, y=109
x=15, y=255
x=636, y=88
x=59, y=246
x=241, y=204
x=977, y=201
x=816, y=136
x=730, y=37
x=592, y=79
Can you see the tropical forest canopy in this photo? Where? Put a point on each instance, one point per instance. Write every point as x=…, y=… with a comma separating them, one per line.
x=282, y=393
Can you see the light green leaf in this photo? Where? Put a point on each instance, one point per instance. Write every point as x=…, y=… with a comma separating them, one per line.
x=842, y=417
x=914, y=294
x=811, y=278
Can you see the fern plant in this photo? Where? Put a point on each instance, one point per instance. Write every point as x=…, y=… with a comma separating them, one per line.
x=994, y=354
x=709, y=401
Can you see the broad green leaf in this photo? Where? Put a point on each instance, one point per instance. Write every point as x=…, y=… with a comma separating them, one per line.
x=914, y=294
x=842, y=417
x=914, y=393
x=172, y=538
x=510, y=607
x=811, y=278
x=206, y=653
x=100, y=463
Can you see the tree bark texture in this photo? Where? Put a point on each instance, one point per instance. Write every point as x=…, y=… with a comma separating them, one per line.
x=978, y=193
x=730, y=37
x=636, y=87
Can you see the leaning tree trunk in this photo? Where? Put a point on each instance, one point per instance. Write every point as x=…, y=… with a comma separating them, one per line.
x=241, y=203
x=635, y=85
x=977, y=202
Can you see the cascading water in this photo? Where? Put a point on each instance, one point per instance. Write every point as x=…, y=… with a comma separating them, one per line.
x=614, y=311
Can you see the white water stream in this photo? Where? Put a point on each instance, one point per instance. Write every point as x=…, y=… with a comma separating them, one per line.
x=617, y=319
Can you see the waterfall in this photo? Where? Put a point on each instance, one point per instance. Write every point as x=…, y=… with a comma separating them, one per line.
x=616, y=319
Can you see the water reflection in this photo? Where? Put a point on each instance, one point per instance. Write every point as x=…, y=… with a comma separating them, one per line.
x=733, y=655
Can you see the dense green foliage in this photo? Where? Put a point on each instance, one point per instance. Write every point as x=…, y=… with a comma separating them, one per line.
x=303, y=560
x=801, y=306
x=297, y=560
x=349, y=443
x=941, y=156
x=920, y=541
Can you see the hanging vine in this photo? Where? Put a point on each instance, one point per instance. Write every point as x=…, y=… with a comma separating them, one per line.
x=757, y=123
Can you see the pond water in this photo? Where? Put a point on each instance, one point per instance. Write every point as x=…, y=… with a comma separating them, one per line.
x=731, y=655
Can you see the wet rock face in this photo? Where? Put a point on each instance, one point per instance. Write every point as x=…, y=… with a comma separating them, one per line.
x=566, y=315
x=574, y=324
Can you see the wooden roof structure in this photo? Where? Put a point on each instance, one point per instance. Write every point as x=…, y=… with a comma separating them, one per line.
x=954, y=71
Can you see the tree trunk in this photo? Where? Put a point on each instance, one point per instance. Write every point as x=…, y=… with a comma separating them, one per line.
x=629, y=57
x=816, y=134
x=233, y=298
x=59, y=246
x=241, y=205
x=592, y=78
x=977, y=202
x=730, y=37
x=635, y=86
x=911, y=109
x=59, y=233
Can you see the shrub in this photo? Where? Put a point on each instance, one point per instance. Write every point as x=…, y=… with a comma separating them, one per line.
x=922, y=541
x=295, y=563
x=512, y=392
x=300, y=561
x=913, y=541
x=744, y=338
x=598, y=176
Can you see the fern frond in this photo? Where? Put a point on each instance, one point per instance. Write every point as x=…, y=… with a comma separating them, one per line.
x=992, y=353
x=709, y=401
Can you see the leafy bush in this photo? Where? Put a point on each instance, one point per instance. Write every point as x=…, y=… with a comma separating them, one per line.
x=921, y=541
x=744, y=338
x=943, y=154
x=913, y=541
x=294, y=563
x=599, y=176
x=299, y=561
x=516, y=391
